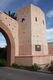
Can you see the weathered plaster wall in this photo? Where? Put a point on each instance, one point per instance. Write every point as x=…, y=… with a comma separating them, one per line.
x=31, y=33
x=38, y=31
x=24, y=30
x=50, y=47
x=12, y=25
x=29, y=30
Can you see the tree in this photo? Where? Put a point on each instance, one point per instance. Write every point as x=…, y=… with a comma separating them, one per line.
x=3, y=53
x=11, y=14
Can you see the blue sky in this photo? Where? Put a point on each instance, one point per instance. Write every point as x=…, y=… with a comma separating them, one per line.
x=45, y=5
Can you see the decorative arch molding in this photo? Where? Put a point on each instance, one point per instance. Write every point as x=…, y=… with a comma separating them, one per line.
x=10, y=42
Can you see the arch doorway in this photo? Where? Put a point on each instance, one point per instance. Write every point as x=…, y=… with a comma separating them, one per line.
x=10, y=43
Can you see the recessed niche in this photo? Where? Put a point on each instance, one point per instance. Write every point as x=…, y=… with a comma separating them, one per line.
x=36, y=19
x=23, y=32
x=9, y=24
x=6, y=18
x=23, y=19
x=43, y=21
x=37, y=47
x=11, y=19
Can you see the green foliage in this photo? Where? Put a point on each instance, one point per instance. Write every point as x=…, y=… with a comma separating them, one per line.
x=50, y=68
x=11, y=14
x=15, y=65
x=2, y=62
x=18, y=66
x=35, y=67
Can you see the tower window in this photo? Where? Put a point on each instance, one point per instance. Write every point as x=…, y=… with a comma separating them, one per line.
x=36, y=19
x=23, y=19
x=6, y=17
x=9, y=24
x=37, y=47
x=43, y=21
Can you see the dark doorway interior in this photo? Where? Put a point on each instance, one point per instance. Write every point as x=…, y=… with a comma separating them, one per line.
x=5, y=53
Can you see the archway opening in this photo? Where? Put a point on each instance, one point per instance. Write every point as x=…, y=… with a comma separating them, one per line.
x=5, y=48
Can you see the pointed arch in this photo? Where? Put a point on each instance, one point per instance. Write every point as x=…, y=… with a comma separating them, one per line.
x=10, y=42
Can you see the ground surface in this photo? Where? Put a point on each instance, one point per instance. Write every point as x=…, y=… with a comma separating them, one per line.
x=16, y=74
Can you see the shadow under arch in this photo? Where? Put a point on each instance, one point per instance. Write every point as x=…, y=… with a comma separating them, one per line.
x=10, y=43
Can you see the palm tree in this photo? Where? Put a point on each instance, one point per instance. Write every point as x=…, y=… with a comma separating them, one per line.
x=11, y=14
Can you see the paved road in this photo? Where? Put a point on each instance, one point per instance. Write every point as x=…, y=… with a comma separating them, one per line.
x=14, y=74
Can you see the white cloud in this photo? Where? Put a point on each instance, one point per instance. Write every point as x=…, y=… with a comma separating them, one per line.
x=3, y=45
x=50, y=30
x=50, y=34
x=2, y=41
x=50, y=14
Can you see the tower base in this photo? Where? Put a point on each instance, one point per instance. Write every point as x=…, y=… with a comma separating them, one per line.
x=29, y=60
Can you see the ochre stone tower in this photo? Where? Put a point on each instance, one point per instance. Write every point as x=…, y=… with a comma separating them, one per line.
x=33, y=47
x=26, y=37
